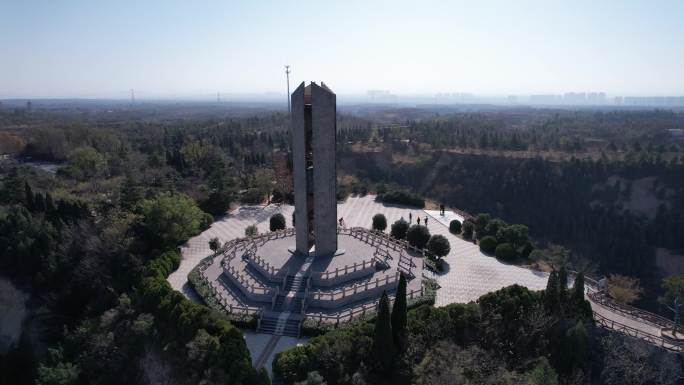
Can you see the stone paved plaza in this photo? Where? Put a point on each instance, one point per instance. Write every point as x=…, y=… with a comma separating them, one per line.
x=469, y=275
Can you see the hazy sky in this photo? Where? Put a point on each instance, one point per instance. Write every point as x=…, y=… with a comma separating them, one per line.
x=61, y=48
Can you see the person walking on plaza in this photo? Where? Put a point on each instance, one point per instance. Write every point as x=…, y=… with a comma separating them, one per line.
x=441, y=209
x=426, y=220
x=418, y=220
x=410, y=217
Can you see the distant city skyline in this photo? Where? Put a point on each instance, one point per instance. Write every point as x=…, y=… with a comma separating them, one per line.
x=179, y=50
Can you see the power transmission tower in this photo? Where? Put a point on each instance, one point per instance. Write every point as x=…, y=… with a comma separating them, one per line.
x=132, y=96
x=287, y=74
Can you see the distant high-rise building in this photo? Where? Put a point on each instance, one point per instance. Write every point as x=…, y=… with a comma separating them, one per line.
x=544, y=99
x=575, y=98
x=29, y=106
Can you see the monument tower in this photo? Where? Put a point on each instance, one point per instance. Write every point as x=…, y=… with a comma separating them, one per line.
x=314, y=134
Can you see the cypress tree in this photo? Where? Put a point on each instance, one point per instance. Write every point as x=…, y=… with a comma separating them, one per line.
x=552, y=295
x=383, y=346
x=562, y=283
x=28, y=197
x=399, y=316
x=582, y=306
x=38, y=203
x=578, y=288
x=50, y=208
x=576, y=347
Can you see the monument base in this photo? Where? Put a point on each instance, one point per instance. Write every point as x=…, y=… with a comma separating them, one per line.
x=337, y=253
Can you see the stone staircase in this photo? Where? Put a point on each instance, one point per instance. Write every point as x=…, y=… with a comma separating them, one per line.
x=283, y=324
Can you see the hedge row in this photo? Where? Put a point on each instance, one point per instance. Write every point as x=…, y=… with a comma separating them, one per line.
x=244, y=321
x=402, y=197
x=179, y=320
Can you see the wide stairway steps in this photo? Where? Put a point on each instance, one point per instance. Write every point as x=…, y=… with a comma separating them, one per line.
x=271, y=324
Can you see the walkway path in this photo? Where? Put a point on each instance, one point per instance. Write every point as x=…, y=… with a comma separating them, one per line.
x=469, y=275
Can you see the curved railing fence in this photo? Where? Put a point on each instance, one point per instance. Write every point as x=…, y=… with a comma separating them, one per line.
x=349, y=314
x=636, y=333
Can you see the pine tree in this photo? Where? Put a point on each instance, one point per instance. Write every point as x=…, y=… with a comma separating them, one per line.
x=383, y=346
x=399, y=316
x=552, y=295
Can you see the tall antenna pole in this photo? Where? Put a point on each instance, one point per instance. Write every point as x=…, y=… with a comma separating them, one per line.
x=287, y=74
x=132, y=96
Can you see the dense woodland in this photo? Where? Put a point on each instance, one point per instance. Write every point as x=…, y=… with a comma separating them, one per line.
x=94, y=243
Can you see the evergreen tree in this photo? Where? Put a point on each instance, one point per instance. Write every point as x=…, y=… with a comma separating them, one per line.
x=399, y=316
x=50, y=208
x=277, y=222
x=576, y=347
x=582, y=306
x=129, y=194
x=562, y=283
x=552, y=294
x=28, y=197
x=382, y=352
x=578, y=288
x=38, y=203
x=12, y=187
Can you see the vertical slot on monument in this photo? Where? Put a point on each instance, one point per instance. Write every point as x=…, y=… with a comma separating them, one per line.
x=308, y=146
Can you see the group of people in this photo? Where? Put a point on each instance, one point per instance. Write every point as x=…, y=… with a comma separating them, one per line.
x=425, y=221
x=417, y=219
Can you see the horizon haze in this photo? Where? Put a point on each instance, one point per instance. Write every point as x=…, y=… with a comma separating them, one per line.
x=177, y=50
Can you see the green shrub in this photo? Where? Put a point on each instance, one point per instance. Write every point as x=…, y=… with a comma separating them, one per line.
x=455, y=227
x=251, y=231
x=468, y=228
x=438, y=245
x=402, y=197
x=379, y=222
x=488, y=244
x=206, y=221
x=418, y=236
x=505, y=252
x=277, y=222
x=399, y=229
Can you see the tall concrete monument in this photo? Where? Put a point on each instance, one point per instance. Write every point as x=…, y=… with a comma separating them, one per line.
x=329, y=277
x=314, y=138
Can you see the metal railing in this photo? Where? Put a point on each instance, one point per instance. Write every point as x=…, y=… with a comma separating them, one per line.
x=636, y=333
x=630, y=312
